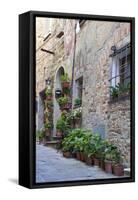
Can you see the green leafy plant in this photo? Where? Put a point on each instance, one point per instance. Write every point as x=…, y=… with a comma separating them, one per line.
x=63, y=100
x=48, y=125
x=65, y=78
x=62, y=125
x=119, y=89
x=114, y=91
x=77, y=113
x=48, y=92
x=77, y=102
x=40, y=135
x=112, y=153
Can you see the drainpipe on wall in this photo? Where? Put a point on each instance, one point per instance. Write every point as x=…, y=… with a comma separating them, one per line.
x=73, y=65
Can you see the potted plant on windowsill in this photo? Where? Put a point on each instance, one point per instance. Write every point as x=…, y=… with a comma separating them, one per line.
x=124, y=89
x=64, y=103
x=77, y=102
x=48, y=127
x=65, y=81
x=48, y=94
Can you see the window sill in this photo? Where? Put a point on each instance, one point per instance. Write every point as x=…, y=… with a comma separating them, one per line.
x=122, y=97
x=76, y=106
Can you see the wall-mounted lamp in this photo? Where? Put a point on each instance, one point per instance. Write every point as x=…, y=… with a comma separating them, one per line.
x=113, y=48
x=58, y=93
x=48, y=81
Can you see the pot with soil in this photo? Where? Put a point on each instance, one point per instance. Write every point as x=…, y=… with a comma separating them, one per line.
x=82, y=157
x=108, y=166
x=118, y=170
x=59, y=133
x=77, y=122
x=67, y=154
x=78, y=155
x=89, y=160
x=65, y=82
x=96, y=161
x=102, y=164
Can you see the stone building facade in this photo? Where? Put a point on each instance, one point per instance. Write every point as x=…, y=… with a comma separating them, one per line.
x=84, y=50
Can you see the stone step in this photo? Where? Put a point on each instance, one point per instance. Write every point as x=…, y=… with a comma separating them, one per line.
x=52, y=143
x=55, y=137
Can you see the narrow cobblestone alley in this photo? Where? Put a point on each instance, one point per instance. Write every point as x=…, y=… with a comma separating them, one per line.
x=51, y=166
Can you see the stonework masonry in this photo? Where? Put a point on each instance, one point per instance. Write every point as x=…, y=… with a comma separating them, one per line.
x=90, y=51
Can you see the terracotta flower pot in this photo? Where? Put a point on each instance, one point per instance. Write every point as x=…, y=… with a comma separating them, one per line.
x=82, y=156
x=65, y=84
x=102, y=165
x=118, y=170
x=96, y=161
x=48, y=132
x=59, y=133
x=108, y=166
x=49, y=98
x=77, y=122
x=67, y=154
x=73, y=155
x=78, y=155
x=88, y=160
x=65, y=107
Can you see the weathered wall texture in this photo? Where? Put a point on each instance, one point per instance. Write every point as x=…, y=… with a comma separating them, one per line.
x=47, y=65
x=92, y=61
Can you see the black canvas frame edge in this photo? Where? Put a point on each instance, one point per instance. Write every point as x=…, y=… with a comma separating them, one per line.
x=27, y=96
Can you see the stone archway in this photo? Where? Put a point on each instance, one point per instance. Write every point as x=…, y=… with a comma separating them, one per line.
x=57, y=85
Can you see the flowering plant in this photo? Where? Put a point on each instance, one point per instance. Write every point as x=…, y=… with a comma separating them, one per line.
x=77, y=112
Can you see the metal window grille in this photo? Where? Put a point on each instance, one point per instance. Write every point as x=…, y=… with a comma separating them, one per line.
x=120, y=72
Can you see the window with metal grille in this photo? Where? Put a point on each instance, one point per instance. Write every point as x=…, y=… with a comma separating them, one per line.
x=120, y=70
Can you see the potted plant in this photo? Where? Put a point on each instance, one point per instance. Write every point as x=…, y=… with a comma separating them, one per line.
x=61, y=126
x=48, y=126
x=109, y=157
x=40, y=136
x=118, y=168
x=65, y=81
x=49, y=104
x=114, y=92
x=77, y=113
x=66, y=148
x=77, y=102
x=64, y=103
x=124, y=89
x=48, y=93
x=96, y=145
x=70, y=119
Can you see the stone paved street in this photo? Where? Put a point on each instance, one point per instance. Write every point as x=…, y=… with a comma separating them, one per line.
x=52, y=166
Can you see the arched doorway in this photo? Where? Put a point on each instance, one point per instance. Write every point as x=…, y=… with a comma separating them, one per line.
x=57, y=85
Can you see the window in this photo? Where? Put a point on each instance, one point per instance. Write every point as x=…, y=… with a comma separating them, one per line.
x=79, y=88
x=120, y=72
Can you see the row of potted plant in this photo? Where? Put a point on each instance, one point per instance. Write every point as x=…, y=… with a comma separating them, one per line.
x=120, y=90
x=91, y=148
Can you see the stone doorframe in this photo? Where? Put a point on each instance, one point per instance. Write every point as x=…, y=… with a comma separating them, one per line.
x=57, y=85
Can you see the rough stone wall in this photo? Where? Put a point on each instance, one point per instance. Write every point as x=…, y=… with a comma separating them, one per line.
x=63, y=49
x=92, y=61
